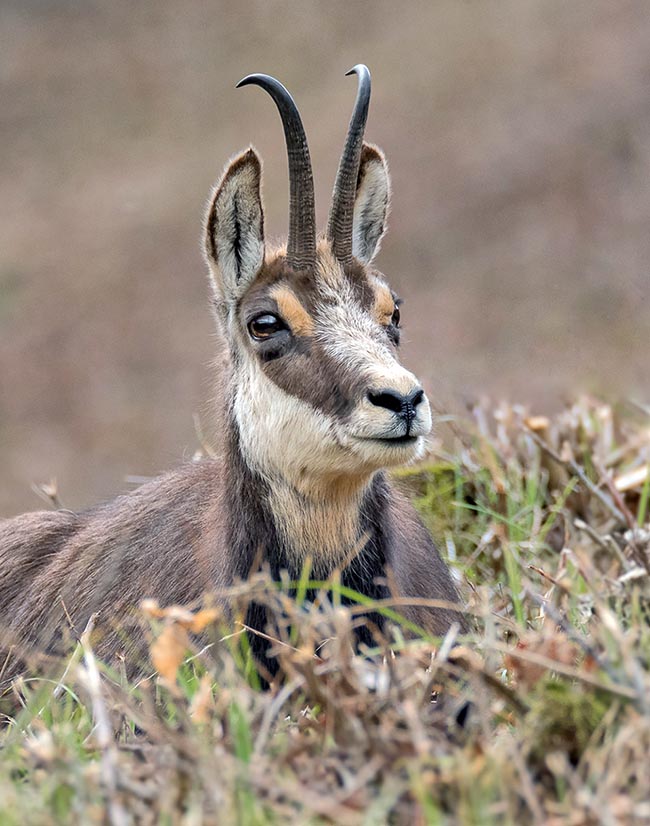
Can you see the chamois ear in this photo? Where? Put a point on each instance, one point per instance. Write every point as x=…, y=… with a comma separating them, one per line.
x=370, y=204
x=234, y=232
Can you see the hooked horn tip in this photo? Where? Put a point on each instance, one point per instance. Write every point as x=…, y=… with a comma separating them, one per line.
x=250, y=79
x=358, y=69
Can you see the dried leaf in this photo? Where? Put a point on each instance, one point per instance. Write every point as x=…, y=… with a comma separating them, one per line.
x=632, y=479
x=180, y=615
x=556, y=649
x=203, y=618
x=168, y=651
x=537, y=423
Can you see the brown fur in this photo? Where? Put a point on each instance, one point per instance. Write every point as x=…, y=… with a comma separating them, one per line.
x=384, y=304
x=292, y=311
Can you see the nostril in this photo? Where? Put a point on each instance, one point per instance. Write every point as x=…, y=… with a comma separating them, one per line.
x=416, y=397
x=388, y=399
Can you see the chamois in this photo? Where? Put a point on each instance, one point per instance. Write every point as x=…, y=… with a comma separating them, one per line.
x=316, y=408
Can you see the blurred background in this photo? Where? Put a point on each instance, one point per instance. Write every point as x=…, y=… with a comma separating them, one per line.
x=518, y=133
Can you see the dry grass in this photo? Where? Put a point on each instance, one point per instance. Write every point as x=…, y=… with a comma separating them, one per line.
x=540, y=716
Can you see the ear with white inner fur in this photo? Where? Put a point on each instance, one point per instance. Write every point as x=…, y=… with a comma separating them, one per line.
x=370, y=204
x=234, y=239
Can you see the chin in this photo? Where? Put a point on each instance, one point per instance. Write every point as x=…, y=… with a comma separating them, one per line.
x=387, y=453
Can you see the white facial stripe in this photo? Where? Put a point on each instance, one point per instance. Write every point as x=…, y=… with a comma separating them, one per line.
x=350, y=336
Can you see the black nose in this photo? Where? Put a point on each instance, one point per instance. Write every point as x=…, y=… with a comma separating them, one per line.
x=404, y=406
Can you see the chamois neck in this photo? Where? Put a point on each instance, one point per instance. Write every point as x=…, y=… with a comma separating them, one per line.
x=303, y=515
x=324, y=526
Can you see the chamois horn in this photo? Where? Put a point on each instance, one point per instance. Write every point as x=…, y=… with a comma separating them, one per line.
x=339, y=227
x=301, y=241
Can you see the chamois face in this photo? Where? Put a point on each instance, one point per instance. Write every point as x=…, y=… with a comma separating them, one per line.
x=319, y=394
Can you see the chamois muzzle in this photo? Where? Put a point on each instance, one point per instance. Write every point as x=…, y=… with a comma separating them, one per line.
x=339, y=227
x=403, y=406
x=301, y=241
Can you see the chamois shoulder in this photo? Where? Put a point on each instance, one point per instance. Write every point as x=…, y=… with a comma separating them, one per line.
x=159, y=540
x=27, y=543
x=418, y=568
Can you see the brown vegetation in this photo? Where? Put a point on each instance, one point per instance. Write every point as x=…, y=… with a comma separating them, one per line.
x=551, y=540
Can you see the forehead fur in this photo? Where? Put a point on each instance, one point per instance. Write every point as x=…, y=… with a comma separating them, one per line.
x=328, y=270
x=301, y=293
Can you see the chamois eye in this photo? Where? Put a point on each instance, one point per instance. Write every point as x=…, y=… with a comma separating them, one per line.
x=265, y=326
x=395, y=317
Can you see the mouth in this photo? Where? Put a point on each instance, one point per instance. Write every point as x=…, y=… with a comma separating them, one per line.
x=395, y=441
x=398, y=440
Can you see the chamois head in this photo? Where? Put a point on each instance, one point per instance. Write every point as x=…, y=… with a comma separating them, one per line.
x=318, y=394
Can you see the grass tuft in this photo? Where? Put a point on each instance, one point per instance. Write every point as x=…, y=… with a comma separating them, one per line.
x=541, y=715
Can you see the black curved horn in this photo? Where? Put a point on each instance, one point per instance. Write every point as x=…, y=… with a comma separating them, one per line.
x=339, y=226
x=301, y=242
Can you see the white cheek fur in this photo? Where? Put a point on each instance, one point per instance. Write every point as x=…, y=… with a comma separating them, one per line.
x=280, y=434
